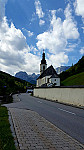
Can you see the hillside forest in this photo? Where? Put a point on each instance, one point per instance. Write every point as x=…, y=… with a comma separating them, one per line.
x=10, y=85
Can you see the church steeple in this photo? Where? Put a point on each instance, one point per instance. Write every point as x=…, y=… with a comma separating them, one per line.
x=43, y=61
x=43, y=65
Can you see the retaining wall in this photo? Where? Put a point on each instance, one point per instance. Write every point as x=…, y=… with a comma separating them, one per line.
x=69, y=95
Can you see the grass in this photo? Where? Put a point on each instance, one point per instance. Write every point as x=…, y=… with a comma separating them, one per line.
x=6, y=138
x=77, y=79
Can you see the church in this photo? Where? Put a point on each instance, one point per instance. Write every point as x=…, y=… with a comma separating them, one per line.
x=48, y=76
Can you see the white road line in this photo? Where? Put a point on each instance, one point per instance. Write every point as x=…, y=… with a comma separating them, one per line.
x=39, y=102
x=67, y=111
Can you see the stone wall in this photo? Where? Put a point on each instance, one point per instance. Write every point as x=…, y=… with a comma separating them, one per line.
x=69, y=95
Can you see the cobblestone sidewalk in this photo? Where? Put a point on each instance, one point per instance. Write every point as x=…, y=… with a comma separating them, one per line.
x=36, y=133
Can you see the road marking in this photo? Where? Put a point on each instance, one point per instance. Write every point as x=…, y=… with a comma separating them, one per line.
x=67, y=111
x=39, y=102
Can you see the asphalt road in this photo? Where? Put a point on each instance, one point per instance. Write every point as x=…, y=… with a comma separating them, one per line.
x=67, y=118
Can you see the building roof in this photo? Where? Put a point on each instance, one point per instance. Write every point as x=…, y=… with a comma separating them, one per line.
x=54, y=76
x=49, y=71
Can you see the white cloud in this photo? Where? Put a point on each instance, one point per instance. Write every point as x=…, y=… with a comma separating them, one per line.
x=69, y=25
x=2, y=8
x=70, y=47
x=38, y=7
x=55, y=39
x=82, y=51
x=30, y=33
x=79, y=8
x=32, y=63
x=12, y=43
x=14, y=52
x=11, y=38
x=58, y=59
x=33, y=49
x=83, y=29
x=41, y=22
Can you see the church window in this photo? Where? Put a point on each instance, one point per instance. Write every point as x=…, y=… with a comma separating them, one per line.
x=47, y=80
x=43, y=67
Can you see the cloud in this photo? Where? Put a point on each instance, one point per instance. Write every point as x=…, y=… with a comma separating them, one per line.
x=38, y=7
x=55, y=39
x=14, y=52
x=69, y=25
x=33, y=49
x=2, y=8
x=11, y=38
x=39, y=12
x=79, y=8
x=83, y=29
x=32, y=63
x=58, y=59
x=82, y=51
x=41, y=22
x=12, y=43
x=70, y=47
x=28, y=32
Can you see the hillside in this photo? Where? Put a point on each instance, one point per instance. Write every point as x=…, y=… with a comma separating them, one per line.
x=10, y=84
x=77, y=68
x=77, y=79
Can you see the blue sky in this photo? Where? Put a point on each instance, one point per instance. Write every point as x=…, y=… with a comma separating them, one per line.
x=29, y=26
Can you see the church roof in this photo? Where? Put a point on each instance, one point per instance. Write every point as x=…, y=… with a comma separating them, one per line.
x=49, y=71
x=54, y=76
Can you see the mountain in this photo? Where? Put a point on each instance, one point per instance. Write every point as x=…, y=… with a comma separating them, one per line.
x=32, y=78
x=62, y=68
x=24, y=76
x=73, y=70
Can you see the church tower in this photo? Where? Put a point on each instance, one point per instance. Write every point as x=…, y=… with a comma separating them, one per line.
x=43, y=65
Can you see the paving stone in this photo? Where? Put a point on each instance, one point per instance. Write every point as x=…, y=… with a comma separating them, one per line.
x=36, y=133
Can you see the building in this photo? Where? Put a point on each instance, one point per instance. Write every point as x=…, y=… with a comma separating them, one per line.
x=48, y=76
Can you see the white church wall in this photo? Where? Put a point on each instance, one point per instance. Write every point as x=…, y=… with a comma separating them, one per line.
x=70, y=95
x=55, y=80
x=47, y=78
x=38, y=83
x=43, y=81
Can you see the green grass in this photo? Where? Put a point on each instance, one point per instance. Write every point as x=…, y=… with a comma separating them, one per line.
x=6, y=138
x=77, y=79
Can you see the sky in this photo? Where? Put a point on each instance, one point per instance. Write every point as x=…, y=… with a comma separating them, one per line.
x=29, y=26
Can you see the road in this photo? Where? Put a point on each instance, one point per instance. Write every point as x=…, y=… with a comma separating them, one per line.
x=67, y=118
